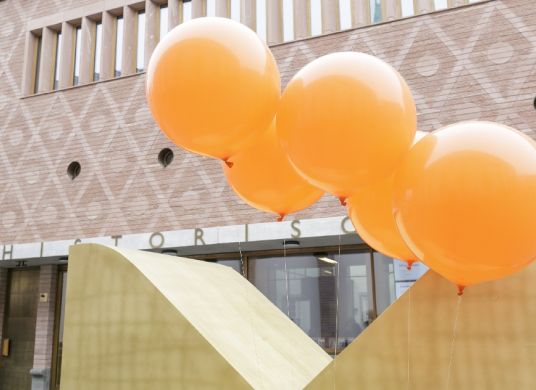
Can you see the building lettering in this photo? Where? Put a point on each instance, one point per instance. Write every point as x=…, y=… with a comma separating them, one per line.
x=160, y=241
x=6, y=252
x=198, y=236
x=344, y=222
x=295, y=225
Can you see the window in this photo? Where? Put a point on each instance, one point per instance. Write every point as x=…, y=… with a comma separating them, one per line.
x=97, y=51
x=345, y=14
x=375, y=11
x=57, y=61
x=163, y=21
x=288, y=20
x=261, y=19
x=77, y=49
x=328, y=295
x=316, y=18
x=140, y=52
x=186, y=11
x=118, y=61
x=37, y=64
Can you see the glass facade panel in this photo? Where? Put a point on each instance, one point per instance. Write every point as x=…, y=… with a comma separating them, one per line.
x=57, y=61
x=97, y=51
x=118, y=46
x=140, y=51
x=77, y=49
x=327, y=295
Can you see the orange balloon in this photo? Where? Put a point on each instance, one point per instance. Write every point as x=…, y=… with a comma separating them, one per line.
x=371, y=212
x=346, y=120
x=465, y=201
x=212, y=86
x=264, y=178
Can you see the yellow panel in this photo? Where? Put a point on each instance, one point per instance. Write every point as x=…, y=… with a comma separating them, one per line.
x=493, y=346
x=139, y=320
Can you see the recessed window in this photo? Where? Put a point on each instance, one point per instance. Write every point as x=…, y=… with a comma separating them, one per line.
x=118, y=46
x=534, y=103
x=37, y=64
x=375, y=11
x=97, y=51
x=140, y=52
x=57, y=61
x=73, y=170
x=165, y=157
x=77, y=49
x=163, y=21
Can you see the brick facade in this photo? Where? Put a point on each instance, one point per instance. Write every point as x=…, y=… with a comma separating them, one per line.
x=474, y=62
x=3, y=296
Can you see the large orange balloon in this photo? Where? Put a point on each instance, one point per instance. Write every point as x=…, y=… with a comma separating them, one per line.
x=264, y=178
x=212, y=85
x=371, y=212
x=465, y=201
x=346, y=120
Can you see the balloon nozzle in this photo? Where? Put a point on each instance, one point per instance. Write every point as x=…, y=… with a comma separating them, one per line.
x=342, y=199
x=228, y=163
x=281, y=218
x=409, y=265
x=460, y=290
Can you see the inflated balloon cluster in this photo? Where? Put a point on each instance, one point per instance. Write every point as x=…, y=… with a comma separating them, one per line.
x=461, y=199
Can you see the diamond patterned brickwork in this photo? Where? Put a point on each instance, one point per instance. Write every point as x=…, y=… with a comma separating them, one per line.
x=475, y=62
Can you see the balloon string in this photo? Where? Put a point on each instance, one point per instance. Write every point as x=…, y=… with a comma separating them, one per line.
x=286, y=276
x=453, y=340
x=409, y=344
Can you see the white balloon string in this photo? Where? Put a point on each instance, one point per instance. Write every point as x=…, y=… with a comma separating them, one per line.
x=286, y=276
x=409, y=344
x=453, y=340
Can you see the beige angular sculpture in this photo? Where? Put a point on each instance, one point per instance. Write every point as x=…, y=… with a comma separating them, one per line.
x=432, y=339
x=138, y=320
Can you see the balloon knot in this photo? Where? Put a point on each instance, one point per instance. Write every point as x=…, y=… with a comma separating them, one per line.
x=342, y=199
x=460, y=290
x=228, y=163
x=281, y=218
x=409, y=266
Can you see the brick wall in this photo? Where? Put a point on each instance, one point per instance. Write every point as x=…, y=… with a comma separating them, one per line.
x=475, y=62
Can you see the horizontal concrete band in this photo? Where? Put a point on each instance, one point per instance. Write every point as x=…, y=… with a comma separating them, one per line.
x=311, y=232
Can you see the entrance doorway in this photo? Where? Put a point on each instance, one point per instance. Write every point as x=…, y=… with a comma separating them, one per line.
x=19, y=327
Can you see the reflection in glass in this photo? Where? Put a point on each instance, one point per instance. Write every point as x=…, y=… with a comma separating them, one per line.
x=308, y=290
x=77, y=49
x=140, y=52
x=63, y=283
x=57, y=61
x=235, y=264
x=118, y=46
x=97, y=51
x=384, y=281
x=163, y=21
